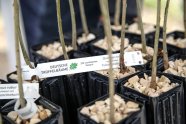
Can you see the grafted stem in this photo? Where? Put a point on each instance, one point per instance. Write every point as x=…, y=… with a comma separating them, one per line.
x=83, y=17
x=74, y=31
x=25, y=54
x=106, y=18
x=140, y=23
x=123, y=68
x=117, y=12
x=165, y=53
x=154, y=62
x=18, y=62
x=60, y=28
x=1, y=119
x=184, y=7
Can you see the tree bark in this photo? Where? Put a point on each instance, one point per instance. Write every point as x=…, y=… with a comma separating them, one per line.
x=60, y=28
x=154, y=63
x=165, y=53
x=74, y=31
x=18, y=62
x=140, y=23
x=83, y=17
x=123, y=68
x=106, y=18
x=117, y=12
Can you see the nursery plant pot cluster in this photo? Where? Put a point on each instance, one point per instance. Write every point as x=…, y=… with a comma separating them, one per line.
x=133, y=31
x=166, y=107
x=99, y=47
x=54, y=113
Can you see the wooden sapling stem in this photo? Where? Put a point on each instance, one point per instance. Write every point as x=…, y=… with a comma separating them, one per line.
x=184, y=7
x=25, y=55
x=60, y=28
x=123, y=68
x=83, y=17
x=74, y=31
x=1, y=119
x=117, y=12
x=18, y=62
x=140, y=24
x=154, y=62
x=165, y=53
x=106, y=18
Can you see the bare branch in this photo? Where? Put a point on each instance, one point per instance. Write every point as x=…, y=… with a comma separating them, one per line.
x=165, y=53
x=60, y=28
x=1, y=119
x=74, y=31
x=184, y=16
x=18, y=62
x=25, y=54
x=140, y=23
x=117, y=12
x=154, y=63
x=123, y=68
x=83, y=17
x=106, y=18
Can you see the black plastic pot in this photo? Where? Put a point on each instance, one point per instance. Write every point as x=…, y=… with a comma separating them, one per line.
x=174, y=49
x=15, y=81
x=55, y=118
x=100, y=27
x=168, y=108
x=135, y=118
x=99, y=51
x=41, y=59
x=183, y=79
x=149, y=36
x=98, y=84
x=68, y=91
x=50, y=88
x=84, y=47
x=173, y=58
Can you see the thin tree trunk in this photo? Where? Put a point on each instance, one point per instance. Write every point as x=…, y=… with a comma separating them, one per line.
x=25, y=55
x=18, y=62
x=154, y=63
x=106, y=18
x=140, y=23
x=165, y=53
x=117, y=12
x=83, y=17
x=74, y=31
x=60, y=28
x=1, y=119
x=184, y=16
x=123, y=68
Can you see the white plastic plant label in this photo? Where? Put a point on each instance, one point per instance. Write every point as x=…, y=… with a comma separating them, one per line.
x=28, y=111
x=95, y=63
x=10, y=91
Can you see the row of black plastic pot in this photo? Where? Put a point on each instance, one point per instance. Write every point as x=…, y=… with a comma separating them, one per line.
x=73, y=91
